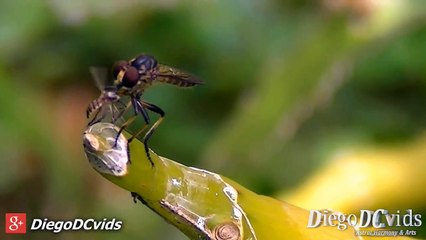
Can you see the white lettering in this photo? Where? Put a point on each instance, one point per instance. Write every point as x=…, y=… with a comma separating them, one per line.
x=365, y=218
x=86, y=224
x=58, y=226
x=117, y=225
x=417, y=220
x=36, y=224
x=376, y=218
x=409, y=221
x=314, y=214
x=78, y=223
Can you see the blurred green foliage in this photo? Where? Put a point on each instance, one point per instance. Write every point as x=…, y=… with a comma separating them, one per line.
x=287, y=84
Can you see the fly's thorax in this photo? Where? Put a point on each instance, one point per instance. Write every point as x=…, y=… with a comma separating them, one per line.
x=124, y=91
x=137, y=89
x=143, y=84
x=110, y=96
x=144, y=62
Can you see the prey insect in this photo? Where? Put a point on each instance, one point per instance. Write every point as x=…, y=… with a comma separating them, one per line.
x=106, y=104
x=132, y=78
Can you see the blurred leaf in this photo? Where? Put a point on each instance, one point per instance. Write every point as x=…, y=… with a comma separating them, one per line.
x=21, y=23
x=389, y=177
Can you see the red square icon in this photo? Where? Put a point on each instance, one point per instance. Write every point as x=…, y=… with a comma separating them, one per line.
x=16, y=223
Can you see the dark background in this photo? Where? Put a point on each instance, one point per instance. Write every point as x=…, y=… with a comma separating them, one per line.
x=288, y=85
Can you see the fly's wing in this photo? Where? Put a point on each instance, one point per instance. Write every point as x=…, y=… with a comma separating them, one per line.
x=176, y=77
x=100, y=75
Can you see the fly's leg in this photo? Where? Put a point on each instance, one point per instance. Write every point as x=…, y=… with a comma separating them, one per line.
x=95, y=118
x=121, y=113
x=149, y=133
x=138, y=108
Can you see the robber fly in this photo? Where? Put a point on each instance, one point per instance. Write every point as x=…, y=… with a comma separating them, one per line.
x=132, y=78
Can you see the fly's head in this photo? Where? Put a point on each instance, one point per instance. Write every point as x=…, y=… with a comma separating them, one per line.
x=128, y=74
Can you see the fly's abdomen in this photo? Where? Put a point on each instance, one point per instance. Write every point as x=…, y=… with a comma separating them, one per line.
x=175, y=76
x=93, y=107
x=176, y=81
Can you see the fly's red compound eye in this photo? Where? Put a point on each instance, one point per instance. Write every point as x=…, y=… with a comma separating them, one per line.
x=130, y=77
x=118, y=67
